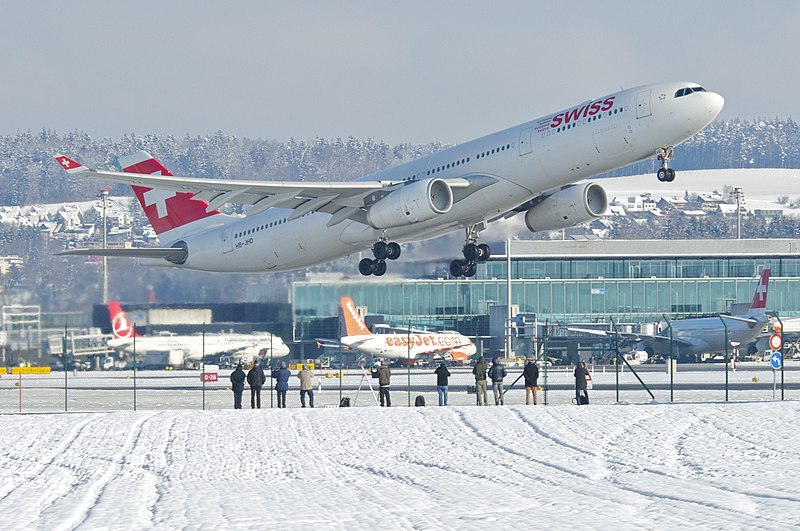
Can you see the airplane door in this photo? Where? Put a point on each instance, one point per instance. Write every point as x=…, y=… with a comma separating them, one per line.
x=227, y=241
x=525, y=141
x=643, y=104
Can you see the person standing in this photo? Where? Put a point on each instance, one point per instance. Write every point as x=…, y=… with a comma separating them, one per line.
x=306, y=385
x=479, y=370
x=581, y=392
x=497, y=373
x=255, y=379
x=281, y=376
x=531, y=375
x=384, y=375
x=237, y=386
x=442, y=374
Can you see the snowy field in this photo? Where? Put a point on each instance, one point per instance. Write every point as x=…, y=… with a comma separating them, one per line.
x=761, y=186
x=651, y=466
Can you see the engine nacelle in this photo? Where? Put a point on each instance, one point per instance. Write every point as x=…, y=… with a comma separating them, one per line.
x=418, y=201
x=567, y=207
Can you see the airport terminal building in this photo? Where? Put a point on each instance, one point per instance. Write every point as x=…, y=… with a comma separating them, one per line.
x=570, y=281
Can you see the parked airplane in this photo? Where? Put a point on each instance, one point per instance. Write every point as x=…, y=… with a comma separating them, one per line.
x=533, y=168
x=178, y=350
x=692, y=337
x=415, y=345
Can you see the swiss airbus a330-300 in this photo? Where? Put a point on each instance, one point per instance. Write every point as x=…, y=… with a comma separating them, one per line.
x=533, y=168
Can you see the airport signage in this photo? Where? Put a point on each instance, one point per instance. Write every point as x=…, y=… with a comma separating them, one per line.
x=775, y=342
x=209, y=377
x=776, y=360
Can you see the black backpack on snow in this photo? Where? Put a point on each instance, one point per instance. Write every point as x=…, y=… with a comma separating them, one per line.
x=419, y=401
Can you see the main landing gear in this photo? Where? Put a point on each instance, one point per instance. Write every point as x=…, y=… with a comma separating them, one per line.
x=665, y=174
x=382, y=250
x=473, y=253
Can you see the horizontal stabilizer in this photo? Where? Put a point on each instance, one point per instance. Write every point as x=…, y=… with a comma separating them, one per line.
x=173, y=254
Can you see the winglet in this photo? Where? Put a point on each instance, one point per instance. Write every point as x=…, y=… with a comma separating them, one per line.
x=353, y=323
x=70, y=165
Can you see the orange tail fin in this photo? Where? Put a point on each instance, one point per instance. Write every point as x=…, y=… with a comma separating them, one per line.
x=353, y=323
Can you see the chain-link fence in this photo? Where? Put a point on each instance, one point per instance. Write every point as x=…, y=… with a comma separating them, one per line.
x=159, y=378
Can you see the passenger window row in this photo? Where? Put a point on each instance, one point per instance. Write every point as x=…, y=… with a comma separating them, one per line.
x=260, y=228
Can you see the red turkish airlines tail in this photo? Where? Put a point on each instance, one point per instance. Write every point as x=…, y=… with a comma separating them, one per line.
x=122, y=327
x=353, y=323
x=760, y=297
x=167, y=210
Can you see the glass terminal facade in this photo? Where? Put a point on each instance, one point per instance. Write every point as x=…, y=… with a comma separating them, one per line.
x=567, y=289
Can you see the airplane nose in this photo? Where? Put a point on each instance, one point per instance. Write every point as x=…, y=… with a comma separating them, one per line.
x=714, y=102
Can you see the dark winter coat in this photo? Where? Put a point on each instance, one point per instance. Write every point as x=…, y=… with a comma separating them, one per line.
x=256, y=377
x=281, y=379
x=237, y=379
x=384, y=374
x=580, y=377
x=531, y=374
x=442, y=374
x=497, y=372
x=479, y=370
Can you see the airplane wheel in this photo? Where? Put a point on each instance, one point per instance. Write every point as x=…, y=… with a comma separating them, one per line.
x=670, y=175
x=380, y=268
x=393, y=251
x=470, y=269
x=457, y=268
x=365, y=267
x=484, y=252
x=471, y=252
x=662, y=175
x=380, y=250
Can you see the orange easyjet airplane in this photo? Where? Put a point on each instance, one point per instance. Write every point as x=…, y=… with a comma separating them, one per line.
x=412, y=345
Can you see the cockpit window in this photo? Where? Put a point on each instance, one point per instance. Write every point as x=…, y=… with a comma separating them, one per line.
x=688, y=90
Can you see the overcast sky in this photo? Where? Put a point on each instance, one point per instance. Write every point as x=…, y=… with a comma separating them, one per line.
x=401, y=71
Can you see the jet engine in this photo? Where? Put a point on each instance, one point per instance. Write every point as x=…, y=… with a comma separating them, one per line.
x=567, y=207
x=417, y=201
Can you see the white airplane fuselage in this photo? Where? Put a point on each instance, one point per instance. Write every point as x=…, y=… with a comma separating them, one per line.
x=193, y=347
x=707, y=334
x=412, y=346
x=522, y=162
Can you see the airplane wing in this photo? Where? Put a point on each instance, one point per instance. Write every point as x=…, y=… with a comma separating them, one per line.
x=173, y=254
x=662, y=342
x=344, y=200
x=748, y=320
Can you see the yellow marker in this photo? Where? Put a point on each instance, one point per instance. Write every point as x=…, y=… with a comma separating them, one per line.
x=30, y=370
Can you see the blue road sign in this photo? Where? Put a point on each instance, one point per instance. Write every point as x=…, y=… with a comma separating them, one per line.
x=776, y=360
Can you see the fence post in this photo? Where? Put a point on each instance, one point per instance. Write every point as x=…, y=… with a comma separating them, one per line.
x=203, y=353
x=546, y=356
x=64, y=352
x=783, y=359
x=725, y=325
x=671, y=358
x=134, y=366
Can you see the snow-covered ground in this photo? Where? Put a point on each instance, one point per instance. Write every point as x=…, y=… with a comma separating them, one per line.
x=637, y=464
x=651, y=466
x=761, y=187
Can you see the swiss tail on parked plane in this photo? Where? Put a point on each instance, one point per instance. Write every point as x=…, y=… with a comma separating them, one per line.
x=536, y=168
x=411, y=345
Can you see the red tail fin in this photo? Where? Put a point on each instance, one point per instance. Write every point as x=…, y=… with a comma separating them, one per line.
x=760, y=297
x=353, y=323
x=122, y=327
x=166, y=210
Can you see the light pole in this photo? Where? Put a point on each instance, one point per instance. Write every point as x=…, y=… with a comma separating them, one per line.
x=104, y=197
x=739, y=201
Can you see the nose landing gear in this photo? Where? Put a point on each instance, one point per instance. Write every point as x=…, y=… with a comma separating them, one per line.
x=382, y=250
x=473, y=253
x=665, y=174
